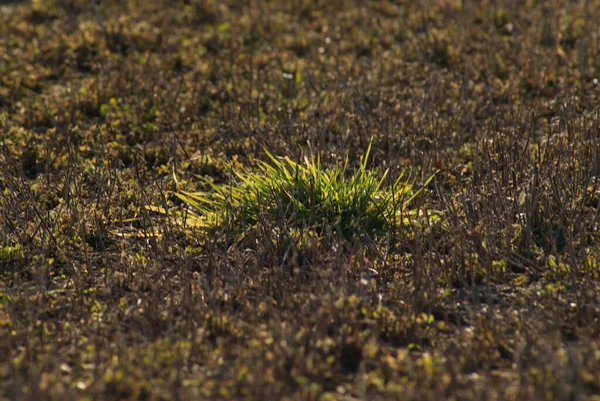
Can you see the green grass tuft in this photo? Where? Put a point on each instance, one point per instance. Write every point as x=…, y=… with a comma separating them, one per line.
x=293, y=195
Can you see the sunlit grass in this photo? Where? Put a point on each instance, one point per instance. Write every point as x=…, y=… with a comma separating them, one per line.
x=304, y=195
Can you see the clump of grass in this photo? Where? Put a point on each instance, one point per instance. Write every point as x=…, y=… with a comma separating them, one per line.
x=304, y=195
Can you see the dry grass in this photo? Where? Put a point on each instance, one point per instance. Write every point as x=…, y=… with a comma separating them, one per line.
x=102, y=298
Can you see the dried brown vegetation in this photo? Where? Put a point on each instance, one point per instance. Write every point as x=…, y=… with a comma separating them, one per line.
x=104, y=114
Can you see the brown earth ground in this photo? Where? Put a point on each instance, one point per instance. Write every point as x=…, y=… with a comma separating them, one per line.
x=103, y=110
